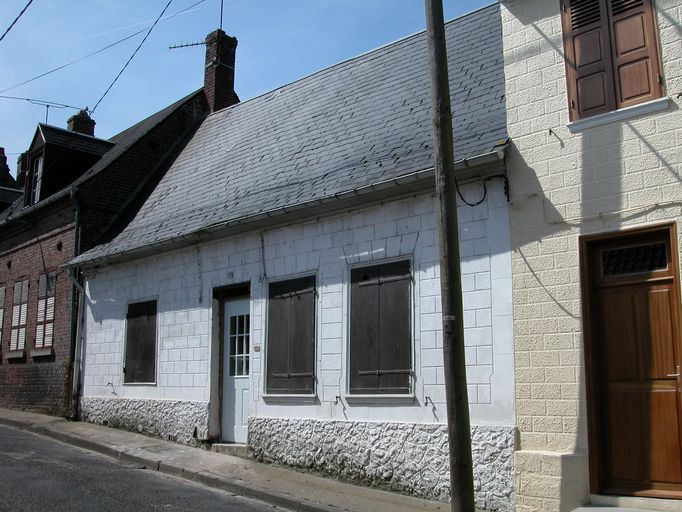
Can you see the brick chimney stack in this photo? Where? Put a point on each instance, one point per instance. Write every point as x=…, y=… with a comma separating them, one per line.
x=6, y=179
x=81, y=123
x=219, y=70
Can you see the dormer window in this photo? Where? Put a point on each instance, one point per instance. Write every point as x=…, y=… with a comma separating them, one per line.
x=34, y=181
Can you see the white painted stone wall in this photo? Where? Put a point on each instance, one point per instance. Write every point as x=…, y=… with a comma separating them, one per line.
x=183, y=281
x=406, y=457
x=564, y=185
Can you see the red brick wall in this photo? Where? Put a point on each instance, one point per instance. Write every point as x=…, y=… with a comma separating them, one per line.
x=38, y=384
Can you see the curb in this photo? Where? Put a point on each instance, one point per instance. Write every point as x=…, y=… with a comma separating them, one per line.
x=237, y=487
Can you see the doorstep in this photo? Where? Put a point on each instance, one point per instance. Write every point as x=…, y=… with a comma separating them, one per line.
x=234, y=449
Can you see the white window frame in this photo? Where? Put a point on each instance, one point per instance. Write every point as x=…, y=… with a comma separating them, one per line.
x=19, y=315
x=45, y=313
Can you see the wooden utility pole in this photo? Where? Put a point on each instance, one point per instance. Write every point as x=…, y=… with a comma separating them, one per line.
x=459, y=429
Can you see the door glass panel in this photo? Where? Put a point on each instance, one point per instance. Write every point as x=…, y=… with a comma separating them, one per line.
x=239, y=345
x=634, y=260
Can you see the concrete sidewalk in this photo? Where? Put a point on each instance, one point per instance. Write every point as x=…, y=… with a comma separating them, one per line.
x=277, y=486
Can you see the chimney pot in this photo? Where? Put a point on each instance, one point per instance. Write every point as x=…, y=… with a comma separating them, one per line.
x=219, y=70
x=81, y=123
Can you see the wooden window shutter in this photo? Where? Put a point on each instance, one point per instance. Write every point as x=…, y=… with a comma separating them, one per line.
x=589, y=72
x=364, y=331
x=634, y=51
x=140, y=362
x=291, y=337
x=380, y=332
x=395, y=347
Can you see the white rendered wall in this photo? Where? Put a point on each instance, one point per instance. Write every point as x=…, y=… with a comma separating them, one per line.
x=183, y=281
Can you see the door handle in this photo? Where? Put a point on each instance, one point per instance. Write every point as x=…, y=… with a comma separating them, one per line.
x=677, y=376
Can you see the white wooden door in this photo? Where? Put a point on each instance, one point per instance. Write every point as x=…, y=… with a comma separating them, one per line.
x=236, y=369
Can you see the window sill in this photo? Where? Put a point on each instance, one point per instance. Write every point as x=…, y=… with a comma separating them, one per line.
x=620, y=115
x=42, y=352
x=298, y=399
x=16, y=354
x=380, y=399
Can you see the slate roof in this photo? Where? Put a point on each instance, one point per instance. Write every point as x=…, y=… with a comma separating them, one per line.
x=355, y=124
x=128, y=137
x=73, y=140
x=9, y=195
x=115, y=147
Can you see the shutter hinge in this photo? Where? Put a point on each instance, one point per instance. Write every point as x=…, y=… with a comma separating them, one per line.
x=660, y=78
x=573, y=104
x=563, y=6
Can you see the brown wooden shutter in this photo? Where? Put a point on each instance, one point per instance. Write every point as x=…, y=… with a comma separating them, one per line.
x=291, y=337
x=395, y=347
x=589, y=72
x=634, y=52
x=140, y=363
x=381, y=348
x=364, y=331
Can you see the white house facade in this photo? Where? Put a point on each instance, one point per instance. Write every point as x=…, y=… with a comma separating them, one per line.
x=397, y=437
x=280, y=287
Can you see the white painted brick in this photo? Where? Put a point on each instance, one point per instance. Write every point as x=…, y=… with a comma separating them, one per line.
x=406, y=227
x=478, y=336
x=476, y=300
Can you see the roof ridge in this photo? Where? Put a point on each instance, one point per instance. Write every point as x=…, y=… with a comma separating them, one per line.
x=350, y=59
x=73, y=133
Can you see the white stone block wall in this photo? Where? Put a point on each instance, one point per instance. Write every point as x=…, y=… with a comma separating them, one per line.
x=183, y=281
x=406, y=457
x=564, y=185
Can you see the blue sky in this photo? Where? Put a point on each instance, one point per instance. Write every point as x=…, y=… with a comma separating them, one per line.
x=279, y=42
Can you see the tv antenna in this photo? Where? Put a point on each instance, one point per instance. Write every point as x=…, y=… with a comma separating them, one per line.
x=186, y=45
x=199, y=43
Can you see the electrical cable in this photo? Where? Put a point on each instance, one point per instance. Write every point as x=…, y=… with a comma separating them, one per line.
x=73, y=61
x=98, y=51
x=485, y=190
x=16, y=19
x=44, y=103
x=131, y=57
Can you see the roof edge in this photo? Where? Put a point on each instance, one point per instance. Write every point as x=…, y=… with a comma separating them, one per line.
x=468, y=170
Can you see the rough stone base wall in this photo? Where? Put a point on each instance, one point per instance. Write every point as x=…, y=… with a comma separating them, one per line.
x=174, y=420
x=406, y=457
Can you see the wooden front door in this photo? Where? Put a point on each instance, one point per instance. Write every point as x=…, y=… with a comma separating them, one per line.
x=633, y=350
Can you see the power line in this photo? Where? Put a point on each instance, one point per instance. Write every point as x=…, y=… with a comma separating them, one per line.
x=42, y=103
x=16, y=19
x=98, y=51
x=73, y=61
x=131, y=57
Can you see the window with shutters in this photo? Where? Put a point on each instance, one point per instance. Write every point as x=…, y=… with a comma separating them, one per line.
x=612, y=57
x=45, y=320
x=291, y=337
x=140, y=357
x=2, y=310
x=19, y=313
x=380, y=330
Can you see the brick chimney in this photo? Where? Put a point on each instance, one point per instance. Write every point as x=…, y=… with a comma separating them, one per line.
x=81, y=123
x=219, y=70
x=6, y=179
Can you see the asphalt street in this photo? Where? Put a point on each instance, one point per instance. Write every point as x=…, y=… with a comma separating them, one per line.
x=38, y=474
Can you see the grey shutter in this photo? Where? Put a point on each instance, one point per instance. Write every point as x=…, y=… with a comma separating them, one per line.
x=291, y=337
x=380, y=330
x=140, y=363
x=395, y=347
x=364, y=331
